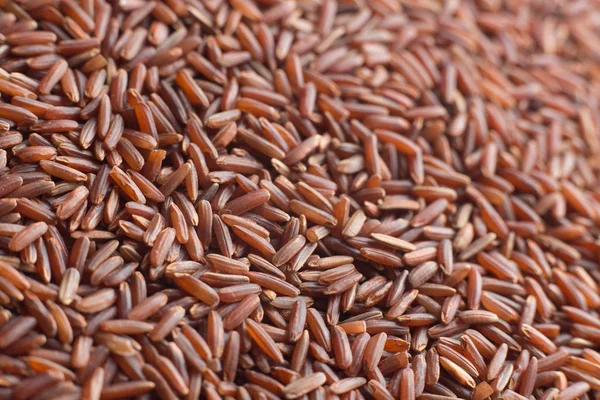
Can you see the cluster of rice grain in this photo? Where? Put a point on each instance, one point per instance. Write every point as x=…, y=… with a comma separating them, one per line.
x=316, y=199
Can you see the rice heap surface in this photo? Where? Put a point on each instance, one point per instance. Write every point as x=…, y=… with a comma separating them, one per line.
x=310, y=199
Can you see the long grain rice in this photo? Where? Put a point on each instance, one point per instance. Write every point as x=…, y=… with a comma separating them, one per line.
x=261, y=200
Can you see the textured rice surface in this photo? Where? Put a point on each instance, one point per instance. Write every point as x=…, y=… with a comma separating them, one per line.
x=299, y=199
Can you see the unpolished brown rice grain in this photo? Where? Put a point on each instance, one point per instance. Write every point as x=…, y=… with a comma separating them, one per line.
x=27, y=236
x=297, y=321
x=304, y=385
x=243, y=310
x=341, y=348
x=263, y=340
x=146, y=307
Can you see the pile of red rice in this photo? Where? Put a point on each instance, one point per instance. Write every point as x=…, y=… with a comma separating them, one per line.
x=314, y=199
